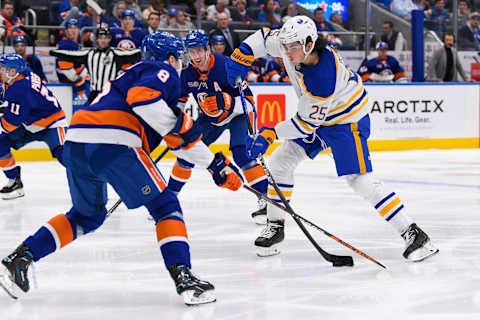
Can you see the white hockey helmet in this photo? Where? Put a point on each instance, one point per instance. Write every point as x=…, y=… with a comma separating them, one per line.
x=299, y=28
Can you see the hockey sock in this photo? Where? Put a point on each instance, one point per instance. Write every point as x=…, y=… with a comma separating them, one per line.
x=252, y=171
x=56, y=234
x=275, y=213
x=8, y=165
x=171, y=230
x=181, y=172
x=390, y=208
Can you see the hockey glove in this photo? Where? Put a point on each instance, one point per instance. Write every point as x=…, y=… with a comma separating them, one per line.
x=239, y=64
x=224, y=173
x=215, y=105
x=185, y=134
x=260, y=143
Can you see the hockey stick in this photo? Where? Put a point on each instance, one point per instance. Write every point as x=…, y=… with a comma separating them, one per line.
x=337, y=261
x=119, y=201
x=328, y=234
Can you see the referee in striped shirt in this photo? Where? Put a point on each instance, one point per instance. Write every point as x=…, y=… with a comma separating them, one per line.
x=103, y=63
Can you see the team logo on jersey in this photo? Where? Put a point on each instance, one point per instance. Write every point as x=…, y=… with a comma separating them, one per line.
x=270, y=109
x=107, y=60
x=146, y=189
x=126, y=44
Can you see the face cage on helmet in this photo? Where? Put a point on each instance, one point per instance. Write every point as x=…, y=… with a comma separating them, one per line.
x=188, y=59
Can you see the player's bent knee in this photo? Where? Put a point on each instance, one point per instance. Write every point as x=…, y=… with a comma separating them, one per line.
x=83, y=224
x=163, y=205
x=365, y=185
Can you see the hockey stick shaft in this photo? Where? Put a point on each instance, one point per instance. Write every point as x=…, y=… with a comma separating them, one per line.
x=327, y=256
x=119, y=201
x=360, y=252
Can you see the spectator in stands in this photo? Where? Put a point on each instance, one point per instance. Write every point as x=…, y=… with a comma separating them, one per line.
x=223, y=28
x=132, y=5
x=219, y=7
x=89, y=19
x=10, y=20
x=321, y=22
x=336, y=17
x=437, y=16
x=116, y=20
x=20, y=47
x=463, y=13
x=68, y=9
x=153, y=22
x=171, y=18
x=240, y=12
x=155, y=6
x=218, y=44
x=466, y=34
x=127, y=37
x=403, y=8
x=394, y=39
x=262, y=3
x=269, y=15
x=444, y=63
x=183, y=23
x=383, y=68
x=287, y=12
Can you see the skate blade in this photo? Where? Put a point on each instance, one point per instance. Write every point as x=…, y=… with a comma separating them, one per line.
x=267, y=252
x=194, y=298
x=260, y=219
x=423, y=253
x=13, y=195
x=8, y=285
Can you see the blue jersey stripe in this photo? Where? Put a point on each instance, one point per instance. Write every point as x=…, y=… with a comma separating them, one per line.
x=347, y=110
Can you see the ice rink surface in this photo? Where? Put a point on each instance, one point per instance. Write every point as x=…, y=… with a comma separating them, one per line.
x=118, y=273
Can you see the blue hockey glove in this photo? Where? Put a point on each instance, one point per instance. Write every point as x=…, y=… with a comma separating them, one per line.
x=260, y=143
x=239, y=63
x=185, y=134
x=224, y=173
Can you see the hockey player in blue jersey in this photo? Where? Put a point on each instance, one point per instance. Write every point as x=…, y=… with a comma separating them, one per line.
x=20, y=46
x=332, y=112
x=383, y=68
x=221, y=110
x=69, y=72
x=109, y=141
x=32, y=114
x=127, y=37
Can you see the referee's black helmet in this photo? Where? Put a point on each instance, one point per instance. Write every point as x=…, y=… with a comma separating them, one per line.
x=102, y=32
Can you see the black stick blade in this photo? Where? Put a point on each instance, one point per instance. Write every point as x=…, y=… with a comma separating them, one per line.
x=343, y=261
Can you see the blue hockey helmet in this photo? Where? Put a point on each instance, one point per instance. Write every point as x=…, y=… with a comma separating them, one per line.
x=71, y=23
x=127, y=13
x=13, y=60
x=19, y=39
x=195, y=39
x=160, y=45
x=382, y=46
x=218, y=39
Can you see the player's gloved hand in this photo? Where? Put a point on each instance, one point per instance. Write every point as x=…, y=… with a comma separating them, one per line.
x=224, y=173
x=214, y=105
x=259, y=144
x=239, y=64
x=185, y=134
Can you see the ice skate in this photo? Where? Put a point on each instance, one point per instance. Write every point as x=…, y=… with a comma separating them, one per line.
x=13, y=272
x=260, y=216
x=418, y=245
x=193, y=290
x=13, y=189
x=268, y=243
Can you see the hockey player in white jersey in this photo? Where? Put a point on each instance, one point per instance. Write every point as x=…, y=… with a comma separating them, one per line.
x=333, y=111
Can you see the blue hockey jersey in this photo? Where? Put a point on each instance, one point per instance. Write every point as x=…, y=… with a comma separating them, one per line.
x=31, y=104
x=62, y=65
x=127, y=39
x=135, y=110
x=390, y=66
x=202, y=84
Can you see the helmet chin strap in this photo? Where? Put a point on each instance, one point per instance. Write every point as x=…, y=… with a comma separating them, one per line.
x=9, y=78
x=305, y=51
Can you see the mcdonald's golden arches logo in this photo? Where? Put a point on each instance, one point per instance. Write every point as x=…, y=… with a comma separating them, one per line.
x=270, y=109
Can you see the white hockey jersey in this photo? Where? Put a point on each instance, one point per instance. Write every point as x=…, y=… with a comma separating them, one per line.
x=329, y=93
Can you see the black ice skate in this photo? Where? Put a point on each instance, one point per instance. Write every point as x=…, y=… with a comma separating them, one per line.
x=13, y=189
x=418, y=245
x=260, y=216
x=269, y=240
x=13, y=272
x=193, y=290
